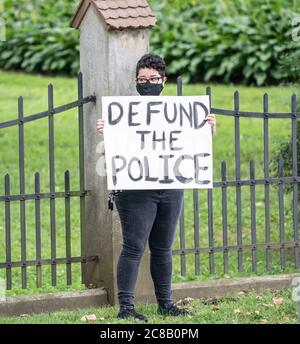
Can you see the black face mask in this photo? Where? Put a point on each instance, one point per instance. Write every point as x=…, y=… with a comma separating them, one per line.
x=149, y=89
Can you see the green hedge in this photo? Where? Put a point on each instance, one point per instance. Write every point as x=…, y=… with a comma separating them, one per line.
x=213, y=41
x=225, y=41
x=38, y=37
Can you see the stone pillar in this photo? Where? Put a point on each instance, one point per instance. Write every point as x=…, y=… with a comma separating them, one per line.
x=107, y=62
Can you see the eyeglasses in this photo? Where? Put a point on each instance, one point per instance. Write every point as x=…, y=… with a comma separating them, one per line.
x=153, y=80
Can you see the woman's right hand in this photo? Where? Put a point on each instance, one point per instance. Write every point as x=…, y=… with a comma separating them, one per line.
x=100, y=124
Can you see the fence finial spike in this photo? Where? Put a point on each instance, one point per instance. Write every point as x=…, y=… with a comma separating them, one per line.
x=179, y=86
x=294, y=103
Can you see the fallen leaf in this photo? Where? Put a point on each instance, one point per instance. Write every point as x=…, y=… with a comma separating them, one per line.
x=24, y=315
x=184, y=301
x=89, y=317
x=264, y=321
x=278, y=301
x=215, y=308
x=185, y=308
x=211, y=301
x=237, y=311
x=189, y=299
x=256, y=312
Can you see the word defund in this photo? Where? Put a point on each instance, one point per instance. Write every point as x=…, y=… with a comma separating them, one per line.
x=172, y=113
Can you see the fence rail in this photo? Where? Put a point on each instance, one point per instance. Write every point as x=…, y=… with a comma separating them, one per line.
x=238, y=184
x=199, y=250
x=52, y=195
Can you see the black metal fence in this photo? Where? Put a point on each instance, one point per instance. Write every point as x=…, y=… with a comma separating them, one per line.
x=268, y=246
x=199, y=250
x=52, y=195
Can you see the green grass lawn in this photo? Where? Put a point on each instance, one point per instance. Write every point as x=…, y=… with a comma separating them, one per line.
x=34, y=90
x=239, y=308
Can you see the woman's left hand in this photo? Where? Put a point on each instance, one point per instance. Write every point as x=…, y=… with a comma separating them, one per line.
x=211, y=120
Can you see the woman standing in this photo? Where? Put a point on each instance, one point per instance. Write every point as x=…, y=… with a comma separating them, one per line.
x=148, y=215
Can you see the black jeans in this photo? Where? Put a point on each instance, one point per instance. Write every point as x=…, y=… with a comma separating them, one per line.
x=147, y=215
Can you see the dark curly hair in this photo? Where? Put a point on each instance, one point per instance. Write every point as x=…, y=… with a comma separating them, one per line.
x=152, y=61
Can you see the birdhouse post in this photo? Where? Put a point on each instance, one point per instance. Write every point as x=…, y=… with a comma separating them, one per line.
x=114, y=34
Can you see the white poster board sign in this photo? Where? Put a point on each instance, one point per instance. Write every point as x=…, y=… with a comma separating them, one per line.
x=157, y=142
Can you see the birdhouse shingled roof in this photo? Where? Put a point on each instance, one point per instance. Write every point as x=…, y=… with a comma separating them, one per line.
x=118, y=14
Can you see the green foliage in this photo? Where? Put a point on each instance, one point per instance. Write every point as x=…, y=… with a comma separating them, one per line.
x=219, y=41
x=38, y=37
x=290, y=66
x=240, y=41
x=44, y=50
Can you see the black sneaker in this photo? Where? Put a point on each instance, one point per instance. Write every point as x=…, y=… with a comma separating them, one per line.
x=172, y=309
x=126, y=312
